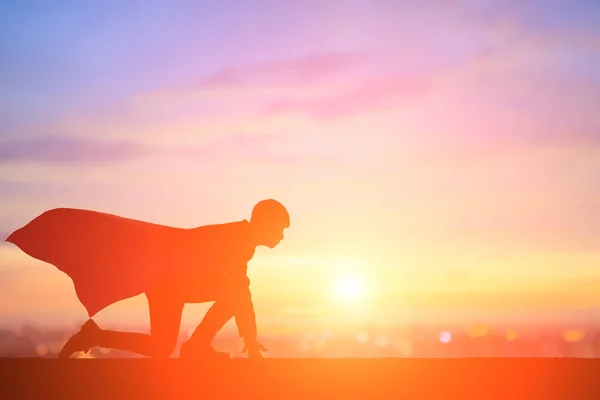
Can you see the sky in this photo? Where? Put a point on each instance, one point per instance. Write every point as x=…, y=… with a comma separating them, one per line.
x=439, y=159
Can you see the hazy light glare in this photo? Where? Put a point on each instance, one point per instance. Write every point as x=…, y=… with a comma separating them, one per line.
x=350, y=288
x=320, y=345
x=404, y=346
x=304, y=345
x=56, y=346
x=326, y=334
x=381, y=341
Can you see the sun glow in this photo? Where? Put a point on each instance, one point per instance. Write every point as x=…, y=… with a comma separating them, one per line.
x=348, y=281
x=350, y=288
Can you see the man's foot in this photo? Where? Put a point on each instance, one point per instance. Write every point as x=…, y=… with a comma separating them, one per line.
x=81, y=341
x=193, y=351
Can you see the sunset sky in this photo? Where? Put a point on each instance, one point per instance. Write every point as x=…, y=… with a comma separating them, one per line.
x=441, y=158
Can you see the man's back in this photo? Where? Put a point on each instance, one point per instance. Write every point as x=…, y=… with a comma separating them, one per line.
x=221, y=255
x=127, y=257
x=221, y=248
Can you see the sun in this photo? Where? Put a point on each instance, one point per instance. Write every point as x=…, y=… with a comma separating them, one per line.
x=350, y=288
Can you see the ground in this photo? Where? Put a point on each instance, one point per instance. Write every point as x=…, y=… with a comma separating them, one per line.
x=301, y=378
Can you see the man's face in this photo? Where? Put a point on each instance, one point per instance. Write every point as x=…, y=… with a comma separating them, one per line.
x=272, y=235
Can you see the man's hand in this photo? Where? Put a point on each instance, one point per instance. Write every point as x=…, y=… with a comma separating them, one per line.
x=253, y=348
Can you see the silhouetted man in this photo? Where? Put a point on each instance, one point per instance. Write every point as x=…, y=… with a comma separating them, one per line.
x=111, y=258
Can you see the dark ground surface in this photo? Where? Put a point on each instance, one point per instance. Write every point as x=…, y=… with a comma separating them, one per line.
x=23, y=378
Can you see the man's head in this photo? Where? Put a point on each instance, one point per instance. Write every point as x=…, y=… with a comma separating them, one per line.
x=269, y=219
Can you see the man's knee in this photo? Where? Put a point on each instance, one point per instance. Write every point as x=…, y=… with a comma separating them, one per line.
x=163, y=347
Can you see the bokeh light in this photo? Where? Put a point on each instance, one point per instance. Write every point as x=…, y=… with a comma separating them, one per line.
x=573, y=335
x=510, y=335
x=362, y=337
x=445, y=337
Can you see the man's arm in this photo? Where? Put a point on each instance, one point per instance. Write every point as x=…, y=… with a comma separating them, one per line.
x=245, y=316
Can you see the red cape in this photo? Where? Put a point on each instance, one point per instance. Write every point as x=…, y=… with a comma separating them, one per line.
x=111, y=258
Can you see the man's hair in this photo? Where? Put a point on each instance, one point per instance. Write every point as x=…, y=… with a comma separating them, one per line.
x=272, y=211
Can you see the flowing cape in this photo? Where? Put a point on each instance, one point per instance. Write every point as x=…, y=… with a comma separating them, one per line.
x=111, y=258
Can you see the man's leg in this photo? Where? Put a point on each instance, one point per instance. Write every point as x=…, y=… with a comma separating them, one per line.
x=199, y=343
x=215, y=289
x=217, y=316
x=165, y=320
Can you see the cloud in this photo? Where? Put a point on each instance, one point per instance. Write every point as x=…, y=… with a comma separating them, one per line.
x=27, y=189
x=260, y=148
x=519, y=93
x=70, y=150
x=496, y=87
x=297, y=71
x=372, y=94
x=322, y=86
x=57, y=149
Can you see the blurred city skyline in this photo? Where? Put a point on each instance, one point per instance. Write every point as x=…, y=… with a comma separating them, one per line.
x=420, y=341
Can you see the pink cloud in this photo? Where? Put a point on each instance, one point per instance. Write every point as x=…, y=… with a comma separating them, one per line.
x=368, y=95
x=309, y=69
x=242, y=90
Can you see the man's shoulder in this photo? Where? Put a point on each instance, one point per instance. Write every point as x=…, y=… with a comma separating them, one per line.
x=231, y=240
